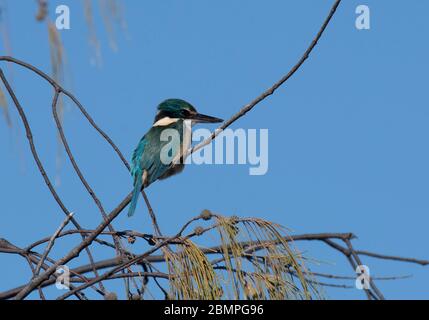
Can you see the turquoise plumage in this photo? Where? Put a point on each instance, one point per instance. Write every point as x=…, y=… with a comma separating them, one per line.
x=146, y=164
x=137, y=173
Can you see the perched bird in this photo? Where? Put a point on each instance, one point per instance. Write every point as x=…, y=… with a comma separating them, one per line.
x=149, y=161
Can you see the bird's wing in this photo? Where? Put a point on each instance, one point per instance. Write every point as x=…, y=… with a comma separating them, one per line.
x=137, y=172
x=146, y=164
x=149, y=158
x=136, y=158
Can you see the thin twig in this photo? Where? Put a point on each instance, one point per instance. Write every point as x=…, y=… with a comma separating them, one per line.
x=37, y=159
x=52, y=242
x=40, y=280
x=359, y=262
x=74, y=252
x=273, y=88
x=137, y=259
x=39, y=289
x=394, y=258
x=5, y=246
x=77, y=169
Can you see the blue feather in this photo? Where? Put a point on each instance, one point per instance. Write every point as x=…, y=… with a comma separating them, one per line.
x=137, y=172
x=136, y=192
x=146, y=157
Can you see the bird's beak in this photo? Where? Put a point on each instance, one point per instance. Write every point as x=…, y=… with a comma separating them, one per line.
x=198, y=117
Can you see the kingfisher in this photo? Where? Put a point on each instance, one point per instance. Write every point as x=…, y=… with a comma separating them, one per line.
x=158, y=155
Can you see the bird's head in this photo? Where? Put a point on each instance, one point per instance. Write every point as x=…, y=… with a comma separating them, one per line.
x=174, y=109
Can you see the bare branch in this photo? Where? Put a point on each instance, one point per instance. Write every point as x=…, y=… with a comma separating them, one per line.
x=52, y=242
x=273, y=88
x=120, y=266
x=36, y=156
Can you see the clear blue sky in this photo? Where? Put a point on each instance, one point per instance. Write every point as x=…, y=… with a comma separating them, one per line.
x=348, y=134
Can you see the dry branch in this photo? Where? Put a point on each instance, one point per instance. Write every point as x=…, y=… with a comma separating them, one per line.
x=276, y=268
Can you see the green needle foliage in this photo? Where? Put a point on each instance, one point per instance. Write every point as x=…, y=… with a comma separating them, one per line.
x=254, y=260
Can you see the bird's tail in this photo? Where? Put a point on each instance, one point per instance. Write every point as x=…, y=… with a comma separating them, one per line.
x=137, y=188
